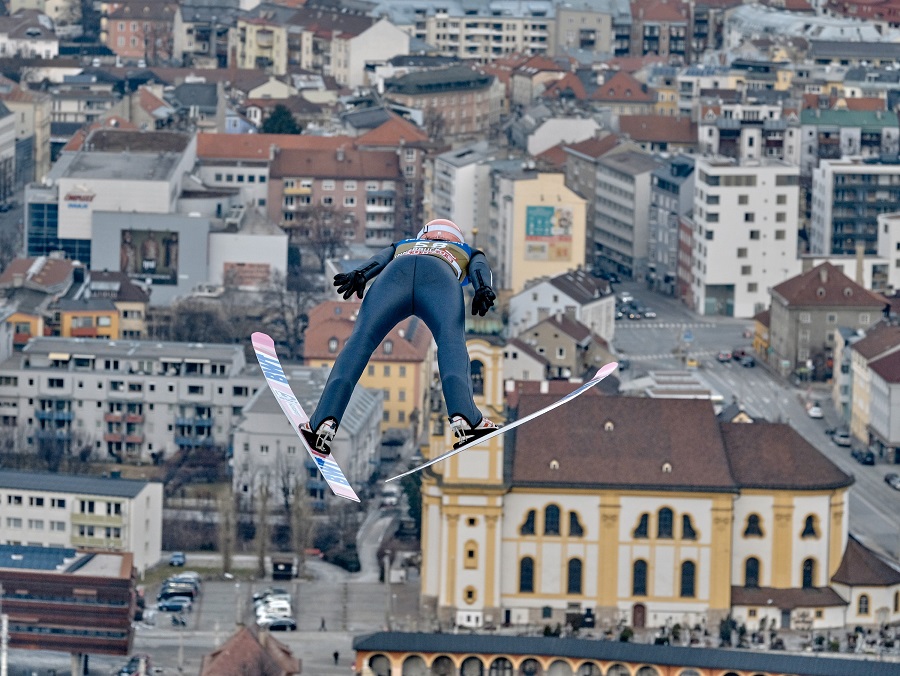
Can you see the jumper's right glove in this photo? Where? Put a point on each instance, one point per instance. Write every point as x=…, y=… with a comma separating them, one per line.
x=483, y=300
x=348, y=283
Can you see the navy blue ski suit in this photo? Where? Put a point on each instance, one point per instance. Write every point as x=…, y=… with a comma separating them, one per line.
x=418, y=277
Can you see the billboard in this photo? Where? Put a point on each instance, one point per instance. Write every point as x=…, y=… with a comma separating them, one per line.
x=149, y=255
x=548, y=233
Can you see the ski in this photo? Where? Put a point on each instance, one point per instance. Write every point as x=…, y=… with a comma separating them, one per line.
x=600, y=375
x=264, y=347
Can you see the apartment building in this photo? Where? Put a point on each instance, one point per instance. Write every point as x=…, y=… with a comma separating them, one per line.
x=621, y=212
x=267, y=451
x=600, y=27
x=837, y=134
x=46, y=509
x=126, y=400
x=671, y=198
x=745, y=233
x=140, y=29
x=481, y=31
x=32, y=111
x=457, y=101
x=848, y=196
x=749, y=130
x=661, y=29
x=694, y=79
x=537, y=229
x=358, y=190
x=460, y=188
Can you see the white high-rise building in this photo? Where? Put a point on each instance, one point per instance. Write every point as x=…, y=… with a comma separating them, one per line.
x=744, y=233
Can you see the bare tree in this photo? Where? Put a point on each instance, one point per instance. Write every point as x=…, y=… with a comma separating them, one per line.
x=10, y=245
x=196, y=321
x=226, y=529
x=286, y=314
x=302, y=526
x=321, y=231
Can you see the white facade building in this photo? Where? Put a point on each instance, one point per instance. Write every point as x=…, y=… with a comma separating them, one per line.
x=60, y=510
x=131, y=400
x=744, y=233
x=350, y=54
x=461, y=187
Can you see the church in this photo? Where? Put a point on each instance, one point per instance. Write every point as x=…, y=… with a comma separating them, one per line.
x=644, y=512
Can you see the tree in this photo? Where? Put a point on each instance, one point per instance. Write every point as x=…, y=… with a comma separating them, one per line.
x=195, y=321
x=286, y=313
x=280, y=121
x=262, y=531
x=226, y=529
x=321, y=231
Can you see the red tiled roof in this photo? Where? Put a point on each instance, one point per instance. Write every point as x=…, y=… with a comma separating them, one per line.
x=394, y=132
x=658, y=128
x=773, y=456
x=826, y=286
x=888, y=367
x=554, y=157
x=568, y=84
x=880, y=340
x=605, y=441
x=111, y=122
x=347, y=164
x=763, y=317
x=622, y=87
x=257, y=146
x=793, y=597
x=861, y=567
x=537, y=64
x=52, y=274
x=410, y=339
x=250, y=652
x=866, y=103
x=595, y=147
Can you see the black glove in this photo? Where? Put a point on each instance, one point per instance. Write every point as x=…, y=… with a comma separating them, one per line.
x=348, y=283
x=483, y=301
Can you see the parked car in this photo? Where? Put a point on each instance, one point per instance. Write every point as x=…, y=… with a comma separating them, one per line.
x=815, y=411
x=724, y=356
x=174, y=604
x=270, y=591
x=634, y=314
x=282, y=624
x=892, y=479
x=624, y=364
x=748, y=362
x=626, y=297
x=177, y=559
x=134, y=665
x=739, y=353
x=649, y=314
x=841, y=437
x=863, y=456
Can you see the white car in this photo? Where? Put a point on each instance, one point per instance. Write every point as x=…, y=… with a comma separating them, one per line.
x=815, y=412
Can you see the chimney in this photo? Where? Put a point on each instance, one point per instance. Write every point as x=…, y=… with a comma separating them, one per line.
x=18, y=280
x=340, y=154
x=823, y=274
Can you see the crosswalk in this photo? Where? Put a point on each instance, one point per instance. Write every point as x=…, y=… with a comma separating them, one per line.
x=650, y=324
x=696, y=354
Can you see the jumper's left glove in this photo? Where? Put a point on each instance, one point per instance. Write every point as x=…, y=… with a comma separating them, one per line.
x=483, y=301
x=348, y=283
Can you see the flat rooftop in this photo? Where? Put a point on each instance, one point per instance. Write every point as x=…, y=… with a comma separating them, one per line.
x=122, y=165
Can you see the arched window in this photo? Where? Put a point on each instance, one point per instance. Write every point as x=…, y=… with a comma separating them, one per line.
x=664, y=524
x=528, y=526
x=809, y=573
x=574, y=577
x=639, y=578
x=501, y=667
x=589, y=669
x=471, y=554
x=551, y=520
x=526, y=575
x=477, y=378
x=575, y=529
x=754, y=526
x=688, y=570
x=809, y=527
x=388, y=347
x=640, y=531
x=471, y=666
x=751, y=572
x=862, y=605
x=687, y=528
x=332, y=344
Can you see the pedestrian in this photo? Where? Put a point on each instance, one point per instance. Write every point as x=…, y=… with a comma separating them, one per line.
x=422, y=277
x=322, y=625
x=336, y=656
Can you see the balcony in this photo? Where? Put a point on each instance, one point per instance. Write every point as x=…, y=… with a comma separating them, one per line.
x=112, y=417
x=134, y=418
x=97, y=542
x=53, y=415
x=380, y=209
x=134, y=438
x=194, y=422
x=193, y=441
x=265, y=39
x=113, y=438
x=87, y=332
x=298, y=190
x=79, y=519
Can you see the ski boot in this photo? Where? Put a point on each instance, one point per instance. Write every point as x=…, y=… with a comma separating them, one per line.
x=320, y=440
x=466, y=434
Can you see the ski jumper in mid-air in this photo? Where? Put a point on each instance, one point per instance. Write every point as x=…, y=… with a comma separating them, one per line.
x=422, y=277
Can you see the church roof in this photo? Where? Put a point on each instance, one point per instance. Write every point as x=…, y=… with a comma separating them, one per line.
x=862, y=567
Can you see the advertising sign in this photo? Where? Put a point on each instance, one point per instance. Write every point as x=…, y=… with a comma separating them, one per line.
x=548, y=233
x=150, y=255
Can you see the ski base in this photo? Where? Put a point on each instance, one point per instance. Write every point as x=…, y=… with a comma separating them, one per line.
x=264, y=347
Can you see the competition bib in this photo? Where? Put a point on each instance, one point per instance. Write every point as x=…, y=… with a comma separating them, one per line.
x=455, y=256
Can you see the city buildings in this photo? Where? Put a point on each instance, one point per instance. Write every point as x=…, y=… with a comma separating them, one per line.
x=745, y=233
x=44, y=509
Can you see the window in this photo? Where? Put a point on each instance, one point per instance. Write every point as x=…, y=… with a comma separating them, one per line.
x=36, y=524
x=709, y=234
x=805, y=318
x=13, y=522
x=643, y=527
x=743, y=199
x=746, y=269
x=780, y=217
x=332, y=345
x=573, y=585
x=754, y=234
x=13, y=499
x=749, y=217
x=687, y=528
x=59, y=526
x=809, y=573
x=526, y=575
x=59, y=503
x=476, y=369
x=36, y=501
x=742, y=252
x=639, y=578
x=471, y=554
x=712, y=218
x=664, y=524
x=753, y=526
x=687, y=579
x=809, y=527
x=781, y=199
x=575, y=529
x=349, y=201
x=751, y=572
x=328, y=185
x=349, y=186
x=527, y=527
x=862, y=605
x=551, y=520
x=752, y=287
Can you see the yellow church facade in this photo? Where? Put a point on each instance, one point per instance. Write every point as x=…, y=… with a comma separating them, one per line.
x=643, y=512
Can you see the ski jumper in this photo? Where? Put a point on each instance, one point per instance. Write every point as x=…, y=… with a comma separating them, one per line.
x=415, y=277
